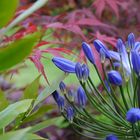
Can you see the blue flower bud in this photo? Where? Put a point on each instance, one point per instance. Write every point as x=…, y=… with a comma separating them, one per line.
x=78, y=71
x=102, y=55
x=55, y=95
x=124, y=56
x=111, y=137
x=64, y=64
x=133, y=115
x=60, y=103
x=71, y=95
x=131, y=40
x=82, y=98
x=62, y=87
x=59, y=100
x=135, y=59
x=70, y=114
x=82, y=71
x=114, y=77
x=88, y=52
x=85, y=72
x=115, y=55
x=119, y=45
x=99, y=45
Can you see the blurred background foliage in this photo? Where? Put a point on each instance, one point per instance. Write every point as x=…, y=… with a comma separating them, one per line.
x=27, y=75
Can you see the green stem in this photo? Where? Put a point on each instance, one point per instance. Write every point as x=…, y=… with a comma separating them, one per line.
x=134, y=132
x=128, y=92
x=123, y=97
x=135, y=93
x=105, y=111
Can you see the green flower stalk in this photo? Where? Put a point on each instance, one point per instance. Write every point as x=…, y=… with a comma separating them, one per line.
x=114, y=115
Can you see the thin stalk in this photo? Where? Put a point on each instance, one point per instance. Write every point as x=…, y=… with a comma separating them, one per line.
x=128, y=92
x=123, y=97
x=82, y=134
x=105, y=111
x=115, y=129
x=105, y=99
x=135, y=93
x=134, y=132
x=103, y=124
x=113, y=97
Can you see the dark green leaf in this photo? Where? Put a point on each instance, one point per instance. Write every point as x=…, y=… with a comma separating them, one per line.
x=17, y=51
x=7, y=10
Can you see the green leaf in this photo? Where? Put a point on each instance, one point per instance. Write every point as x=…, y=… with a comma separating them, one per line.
x=15, y=135
x=12, y=111
x=3, y=101
x=17, y=51
x=44, y=124
x=39, y=113
x=33, y=137
x=49, y=90
x=7, y=11
x=21, y=134
x=31, y=90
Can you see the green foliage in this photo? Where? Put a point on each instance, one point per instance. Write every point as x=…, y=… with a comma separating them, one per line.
x=48, y=90
x=17, y=51
x=22, y=134
x=46, y=123
x=7, y=11
x=31, y=90
x=39, y=113
x=3, y=101
x=10, y=113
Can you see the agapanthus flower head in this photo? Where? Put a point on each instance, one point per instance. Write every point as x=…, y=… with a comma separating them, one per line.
x=64, y=64
x=108, y=100
x=78, y=71
x=111, y=137
x=131, y=40
x=62, y=87
x=133, y=115
x=99, y=45
x=114, y=77
x=85, y=72
x=70, y=113
x=135, y=58
x=81, y=96
x=61, y=103
x=88, y=52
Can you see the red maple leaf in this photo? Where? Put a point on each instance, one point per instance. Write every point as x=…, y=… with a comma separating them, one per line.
x=100, y=6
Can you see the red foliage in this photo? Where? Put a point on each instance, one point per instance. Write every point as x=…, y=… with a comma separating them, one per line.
x=74, y=21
